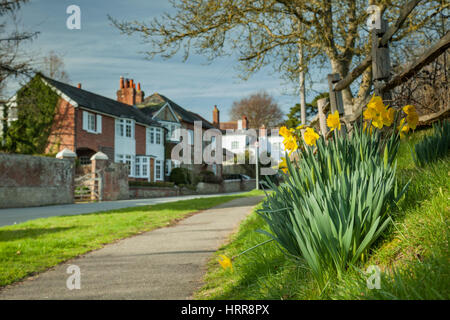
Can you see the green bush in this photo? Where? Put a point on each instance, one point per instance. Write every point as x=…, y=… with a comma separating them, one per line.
x=209, y=177
x=333, y=204
x=181, y=176
x=165, y=184
x=434, y=147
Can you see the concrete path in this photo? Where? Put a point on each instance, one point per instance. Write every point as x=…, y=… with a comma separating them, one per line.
x=17, y=215
x=166, y=263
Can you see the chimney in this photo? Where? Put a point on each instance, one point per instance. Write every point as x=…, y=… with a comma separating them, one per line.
x=139, y=94
x=127, y=92
x=79, y=86
x=216, y=116
x=244, y=122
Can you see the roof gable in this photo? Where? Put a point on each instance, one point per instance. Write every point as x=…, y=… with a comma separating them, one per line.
x=94, y=102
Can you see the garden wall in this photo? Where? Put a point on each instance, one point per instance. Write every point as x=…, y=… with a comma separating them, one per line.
x=27, y=181
x=228, y=186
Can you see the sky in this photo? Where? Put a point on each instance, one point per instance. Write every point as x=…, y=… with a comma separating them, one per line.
x=97, y=55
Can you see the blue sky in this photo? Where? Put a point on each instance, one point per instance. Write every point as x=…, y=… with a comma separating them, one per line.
x=97, y=55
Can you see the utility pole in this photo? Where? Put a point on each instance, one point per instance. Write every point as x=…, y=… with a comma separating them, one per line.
x=257, y=164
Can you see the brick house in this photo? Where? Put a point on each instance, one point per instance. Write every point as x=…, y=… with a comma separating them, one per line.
x=172, y=116
x=86, y=123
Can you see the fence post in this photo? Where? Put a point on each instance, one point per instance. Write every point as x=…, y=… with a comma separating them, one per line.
x=381, y=63
x=336, y=101
x=322, y=116
x=99, y=163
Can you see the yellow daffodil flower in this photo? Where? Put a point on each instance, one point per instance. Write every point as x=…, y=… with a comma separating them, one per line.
x=333, y=121
x=300, y=127
x=290, y=143
x=389, y=117
x=283, y=165
x=310, y=136
x=412, y=118
x=225, y=262
x=403, y=128
x=285, y=132
x=409, y=109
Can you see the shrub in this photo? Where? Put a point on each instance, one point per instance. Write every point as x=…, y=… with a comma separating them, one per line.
x=210, y=177
x=434, y=147
x=151, y=184
x=181, y=176
x=333, y=204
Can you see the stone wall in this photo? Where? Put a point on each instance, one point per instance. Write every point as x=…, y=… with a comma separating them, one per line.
x=228, y=186
x=27, y=181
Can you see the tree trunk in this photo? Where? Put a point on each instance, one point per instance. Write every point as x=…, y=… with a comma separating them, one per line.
x=302, y=85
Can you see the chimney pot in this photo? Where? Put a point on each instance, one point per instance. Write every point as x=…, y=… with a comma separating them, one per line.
x=139, y=86
x=121, y=83
x=79, y=86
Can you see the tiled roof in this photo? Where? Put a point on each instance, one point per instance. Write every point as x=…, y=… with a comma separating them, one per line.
x=95, y=102
x=153, y=103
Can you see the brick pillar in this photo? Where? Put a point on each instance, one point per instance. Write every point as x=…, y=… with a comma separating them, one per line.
x=69, y=155
x=99, y=162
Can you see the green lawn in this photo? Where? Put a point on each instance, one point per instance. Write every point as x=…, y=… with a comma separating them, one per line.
x=413, y=255
x=37, y=245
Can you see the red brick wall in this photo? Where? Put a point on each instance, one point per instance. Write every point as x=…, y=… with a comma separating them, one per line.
x=94, y=141
x=63, y=129
x=139, y=134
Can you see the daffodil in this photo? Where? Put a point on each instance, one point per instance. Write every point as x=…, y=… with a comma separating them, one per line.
x=225, y=262
x=290, y=144
x=285, y=132
x=300, y=127
x=409, y=109
x=333, y=121
x=310, y=136
x=412, y=118
x=389, y=117
x=403, y=128
x=283, y=165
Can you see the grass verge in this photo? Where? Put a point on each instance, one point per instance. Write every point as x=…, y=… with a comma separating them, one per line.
x=37, y=245
x=413, y=254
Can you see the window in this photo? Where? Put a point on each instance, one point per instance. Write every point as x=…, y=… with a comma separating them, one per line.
x=124, y=128
x=129, y=161
x=158, y=136
x=191, y=137
x=137, y=171
x=145, y=167
x=168, y=167
x=234, y=145
x=141, y=167
x=92, y=122
x=152, y=135
x=85, y=160
x=158, y=170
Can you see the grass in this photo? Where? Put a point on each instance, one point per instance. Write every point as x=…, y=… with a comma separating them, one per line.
x=37, y=245
x=413, y=254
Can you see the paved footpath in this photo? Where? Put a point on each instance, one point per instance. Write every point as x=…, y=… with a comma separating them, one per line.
x=17, y=215
x=166, y=263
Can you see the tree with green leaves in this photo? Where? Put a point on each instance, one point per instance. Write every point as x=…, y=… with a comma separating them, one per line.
x=271, y=32
x=36, y=104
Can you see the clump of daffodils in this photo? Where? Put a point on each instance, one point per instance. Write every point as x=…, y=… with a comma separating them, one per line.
x=377, y=115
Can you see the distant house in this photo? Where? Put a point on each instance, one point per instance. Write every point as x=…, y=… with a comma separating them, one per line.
x=238, y=139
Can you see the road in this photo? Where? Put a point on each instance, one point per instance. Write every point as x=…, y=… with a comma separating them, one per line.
x=18, y=215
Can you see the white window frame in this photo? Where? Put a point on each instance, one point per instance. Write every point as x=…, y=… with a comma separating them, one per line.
x=158, y=173
x=234, y=145
x=123, y=126
x=158, y=138
x=92, y=122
